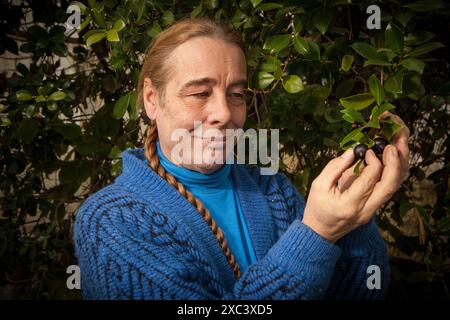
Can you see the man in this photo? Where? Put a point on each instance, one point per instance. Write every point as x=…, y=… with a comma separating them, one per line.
x=170, y=229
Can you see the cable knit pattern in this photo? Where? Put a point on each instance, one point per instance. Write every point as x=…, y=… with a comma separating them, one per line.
x=138, y=238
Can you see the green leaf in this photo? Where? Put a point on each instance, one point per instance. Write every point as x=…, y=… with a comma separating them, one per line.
x=372, y=62
x=418, y=37
x=271, y=64
x=354, y=135
x=255, y=2
x=167, y=18
x=24, y=95
x=120, y=107
x=95, y=37
x=301, y=45
x=40, y=98
x=413, y=87
x=154, y=30
x=357, y=169
x=197, y=11
x=298, y=25
x=358, y=101
x=351, y=115
x=5, y=122
x=52, y=106
x=277, y=43
x=425, y=5
x=58, y=95
x=414, y=65
x=390, y=54
x=393, y=38
x=211, y=4
x=264, y=79
x=45, y=90
x=378, y=110
x=314, y=51
x=344, y=88
x=424, y=49
x=119, y=25
x=138, y=7
x=112, y=36
x=373, y=123
x=322, y=20
x=376, y=89
x=292, y=84
x=133, y=112
x=85, y=23
x=367, y=51
x=268, y=6
x=389, y=129
x=394, y=83
x=347, y=62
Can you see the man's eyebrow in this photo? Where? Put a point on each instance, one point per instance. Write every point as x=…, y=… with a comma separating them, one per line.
x=239, y=83
x=197, y=82
x=211, y=81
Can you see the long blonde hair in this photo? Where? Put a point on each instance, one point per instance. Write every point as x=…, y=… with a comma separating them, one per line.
x=157, y=69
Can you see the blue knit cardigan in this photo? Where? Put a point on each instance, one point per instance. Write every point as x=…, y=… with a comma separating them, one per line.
x=138, y=238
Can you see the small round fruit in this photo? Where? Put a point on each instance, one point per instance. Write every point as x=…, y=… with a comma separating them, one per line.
x=379, y=146
x=360, y=151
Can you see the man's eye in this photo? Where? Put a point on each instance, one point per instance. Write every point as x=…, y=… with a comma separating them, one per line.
x=237, y=95
x=203, y=94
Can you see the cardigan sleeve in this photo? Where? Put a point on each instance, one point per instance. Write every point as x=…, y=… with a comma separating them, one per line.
x=364, y=253
x=127, y=251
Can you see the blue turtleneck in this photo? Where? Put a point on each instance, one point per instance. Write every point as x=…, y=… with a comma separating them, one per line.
x=218, y=193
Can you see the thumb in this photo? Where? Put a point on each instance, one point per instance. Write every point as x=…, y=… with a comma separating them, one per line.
x=334, y=169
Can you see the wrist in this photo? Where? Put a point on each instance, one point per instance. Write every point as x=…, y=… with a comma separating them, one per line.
x=319, y=229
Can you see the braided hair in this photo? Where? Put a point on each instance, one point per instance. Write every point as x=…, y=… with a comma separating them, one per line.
x=153, y=161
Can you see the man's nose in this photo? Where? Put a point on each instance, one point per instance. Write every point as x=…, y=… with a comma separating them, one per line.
x=219, y=110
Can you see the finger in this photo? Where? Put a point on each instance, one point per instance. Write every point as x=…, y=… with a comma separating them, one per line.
x=400, y=140
x=348, y=177
x=362, y=187
x=334, y=169
x=390, y=181
x=404, y=167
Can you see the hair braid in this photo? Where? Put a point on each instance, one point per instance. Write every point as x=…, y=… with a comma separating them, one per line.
x=153, y=161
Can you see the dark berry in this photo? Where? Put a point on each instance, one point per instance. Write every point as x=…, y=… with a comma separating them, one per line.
x=379, y=146
x=360, y=151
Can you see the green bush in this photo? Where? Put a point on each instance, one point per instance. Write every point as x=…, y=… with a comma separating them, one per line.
x=303, y=60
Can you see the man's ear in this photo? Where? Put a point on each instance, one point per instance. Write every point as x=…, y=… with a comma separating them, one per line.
x=149, y=98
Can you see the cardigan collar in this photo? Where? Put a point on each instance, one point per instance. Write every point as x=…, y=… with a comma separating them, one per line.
x=136, y=175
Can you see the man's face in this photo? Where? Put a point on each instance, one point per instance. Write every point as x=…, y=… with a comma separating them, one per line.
x=207, y=86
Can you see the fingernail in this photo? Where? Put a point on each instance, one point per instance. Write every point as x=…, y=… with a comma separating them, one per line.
x=347, y=154
x=393, y=152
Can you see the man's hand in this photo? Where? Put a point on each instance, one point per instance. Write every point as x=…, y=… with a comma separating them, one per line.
x=334, y=209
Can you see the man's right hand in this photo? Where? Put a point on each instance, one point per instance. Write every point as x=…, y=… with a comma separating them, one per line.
x=332, y=213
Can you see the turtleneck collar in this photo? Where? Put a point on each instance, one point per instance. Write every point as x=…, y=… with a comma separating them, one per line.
x=215, y=180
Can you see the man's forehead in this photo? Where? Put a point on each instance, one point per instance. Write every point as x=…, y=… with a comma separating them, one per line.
x=203, y=54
